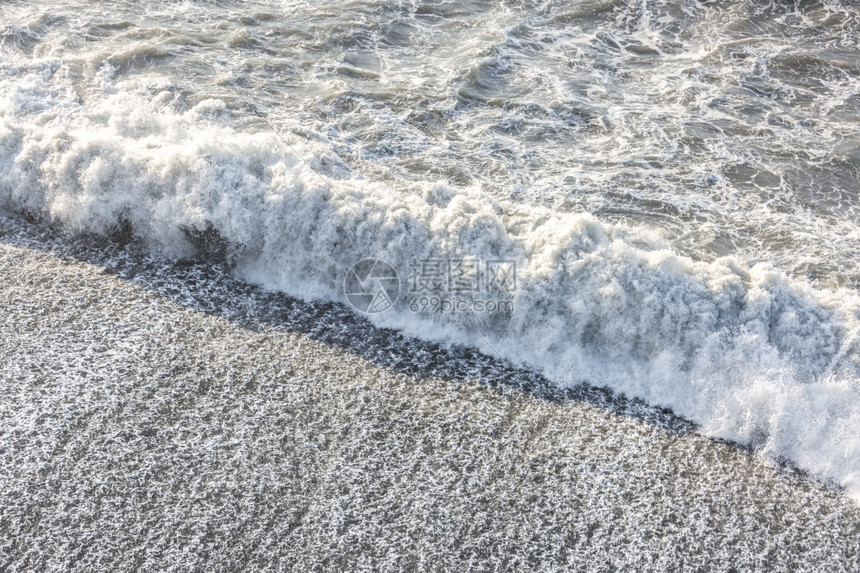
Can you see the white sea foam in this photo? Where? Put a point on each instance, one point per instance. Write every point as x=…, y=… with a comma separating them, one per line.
x=745, y=352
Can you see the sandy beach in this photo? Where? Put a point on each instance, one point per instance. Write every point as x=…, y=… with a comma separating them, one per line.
x=159, y=415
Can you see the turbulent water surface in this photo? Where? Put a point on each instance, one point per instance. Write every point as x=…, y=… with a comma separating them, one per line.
x=678, y=183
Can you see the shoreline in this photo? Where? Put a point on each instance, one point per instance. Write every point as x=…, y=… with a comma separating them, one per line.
x=162, y=415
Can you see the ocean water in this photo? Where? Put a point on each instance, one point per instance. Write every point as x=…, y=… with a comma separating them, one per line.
x=676, y=183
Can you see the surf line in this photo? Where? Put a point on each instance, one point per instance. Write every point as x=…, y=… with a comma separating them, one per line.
x=324, y=179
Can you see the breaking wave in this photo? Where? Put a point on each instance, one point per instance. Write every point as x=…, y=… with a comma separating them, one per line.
x=747, y=353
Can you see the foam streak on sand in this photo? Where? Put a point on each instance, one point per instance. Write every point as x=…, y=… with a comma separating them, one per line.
x=747, y=353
